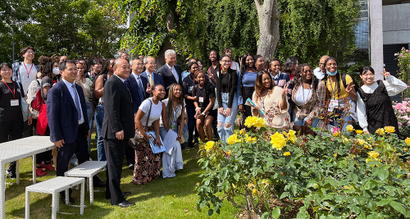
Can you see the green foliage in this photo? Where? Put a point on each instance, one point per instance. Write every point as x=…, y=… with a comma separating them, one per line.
x=308, y=29
x=337, y=175
x=80, y=29
x=403, y=58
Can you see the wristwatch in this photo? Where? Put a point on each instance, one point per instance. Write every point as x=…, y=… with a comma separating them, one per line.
x=203, y=114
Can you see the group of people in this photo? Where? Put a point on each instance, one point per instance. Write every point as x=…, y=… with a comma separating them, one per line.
x=167, y=105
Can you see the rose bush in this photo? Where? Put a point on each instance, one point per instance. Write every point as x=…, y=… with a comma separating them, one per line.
x=402, y=112
x=341, y=175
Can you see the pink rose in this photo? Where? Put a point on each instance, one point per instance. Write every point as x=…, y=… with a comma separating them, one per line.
x=395, y=54
x=402, y=48
x=407, y=50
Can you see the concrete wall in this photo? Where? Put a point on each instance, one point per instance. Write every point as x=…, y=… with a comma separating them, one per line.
x=396, y=24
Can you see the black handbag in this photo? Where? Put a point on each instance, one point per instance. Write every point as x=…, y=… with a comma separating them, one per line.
x=138, y=139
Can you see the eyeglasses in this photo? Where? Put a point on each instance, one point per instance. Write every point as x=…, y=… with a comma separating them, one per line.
x=226, y=61
x=31, y=52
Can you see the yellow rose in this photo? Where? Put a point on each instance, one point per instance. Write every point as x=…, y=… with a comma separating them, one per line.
x=366, y=147
x=407, y=141
x=242, y=132
x=253, y=121
x=209, y=145
x=389, y=129
x=360, y=141
x=350, y=128
x=250, y=139
x=335, y=155
x=228, y=153
x=373, y=154
x=278, y=141
x=265, y=182
x=292, y=136
x=287, y=153
x=404, y=149
x=380, y=131
x=233, y=139
x=359, y=132
x=254, y=191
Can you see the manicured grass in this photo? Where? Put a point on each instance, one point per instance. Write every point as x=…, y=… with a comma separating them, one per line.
x=160, y=198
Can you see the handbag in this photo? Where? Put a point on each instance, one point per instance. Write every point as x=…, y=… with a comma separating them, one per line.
x=138, y=139
x=24, y=105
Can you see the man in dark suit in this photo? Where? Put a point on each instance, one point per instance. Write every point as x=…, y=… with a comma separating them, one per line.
x=67, y=119
x=135, y=84
x=171, y=72
x=150, y=75
x=117, y=129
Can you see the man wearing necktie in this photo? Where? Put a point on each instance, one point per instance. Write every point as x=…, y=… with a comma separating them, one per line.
x=171, y=72
x=65, y=114
x=150, y=75
x=135, y=84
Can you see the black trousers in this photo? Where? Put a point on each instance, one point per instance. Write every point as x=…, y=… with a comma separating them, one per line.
x=79, y=147
x=30, y=130
x=14, y=130
x=114, y=151
x=247, y=93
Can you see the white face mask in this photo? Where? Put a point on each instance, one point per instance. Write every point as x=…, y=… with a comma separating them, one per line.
x=56, y=71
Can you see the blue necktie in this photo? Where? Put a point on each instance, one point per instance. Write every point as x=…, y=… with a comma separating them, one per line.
x=77, y=102
x=140, y=89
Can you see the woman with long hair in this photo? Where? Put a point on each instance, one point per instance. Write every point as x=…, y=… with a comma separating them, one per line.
x=309, y=95
x=290, y=66
x=226, y=85
x=205, y=114
x=260, y=63
x=340, y=86
x=247, y=85
x=271, y=102
x=187, y=87
x=173, y=118
x=374, y=108
x=147, y=164
x=86, y=84
x=101, y=77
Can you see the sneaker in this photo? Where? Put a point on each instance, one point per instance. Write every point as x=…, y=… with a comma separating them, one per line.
x=48, y=167
x=40, y=172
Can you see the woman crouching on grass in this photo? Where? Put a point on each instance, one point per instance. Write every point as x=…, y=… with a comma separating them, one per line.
x=272, y=101
x=204, y=115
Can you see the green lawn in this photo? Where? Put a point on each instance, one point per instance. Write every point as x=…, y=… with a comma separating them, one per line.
x=161, y=198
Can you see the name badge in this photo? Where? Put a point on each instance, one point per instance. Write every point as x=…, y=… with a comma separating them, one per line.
x=14, y=102
x=201, y=99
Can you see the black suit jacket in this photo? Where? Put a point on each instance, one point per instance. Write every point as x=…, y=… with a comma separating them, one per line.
x=169, y=77
x=118, y=110
x=62, y=115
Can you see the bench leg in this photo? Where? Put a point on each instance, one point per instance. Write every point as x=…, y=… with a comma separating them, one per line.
x=67, y=195
x=27, y=205
x=55, y=206
x=82, y=198
x=2, y=191
x=17, y=172
x=91, y=187
x=34, y=169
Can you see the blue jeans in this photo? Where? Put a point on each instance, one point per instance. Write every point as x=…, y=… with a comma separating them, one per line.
x=223, y=121
x=335, y=122
x=301, y=122
x=99, y=117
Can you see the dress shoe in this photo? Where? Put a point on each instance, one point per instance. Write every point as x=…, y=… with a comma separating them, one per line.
x=40, y=172
x=98, y=182
x=125, y=204
x=126, y=194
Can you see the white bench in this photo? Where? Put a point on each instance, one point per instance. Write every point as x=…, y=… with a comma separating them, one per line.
x=88, y=170
x=54, y=186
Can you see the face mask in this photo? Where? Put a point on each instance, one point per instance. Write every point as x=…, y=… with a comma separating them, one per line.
x=56, y=71
x=330, y=73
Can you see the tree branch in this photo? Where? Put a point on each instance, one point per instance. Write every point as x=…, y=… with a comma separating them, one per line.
x=258, y=3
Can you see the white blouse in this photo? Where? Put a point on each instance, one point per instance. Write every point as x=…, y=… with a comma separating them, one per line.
x=393, y=86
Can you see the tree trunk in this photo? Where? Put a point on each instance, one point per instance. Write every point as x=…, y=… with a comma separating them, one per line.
x=268, y=15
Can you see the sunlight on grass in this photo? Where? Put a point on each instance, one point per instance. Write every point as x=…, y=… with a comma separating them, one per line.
x=160, y=198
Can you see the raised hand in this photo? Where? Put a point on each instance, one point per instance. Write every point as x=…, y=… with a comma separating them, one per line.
x=386, y=74
x=285, y=90
x=349, y=87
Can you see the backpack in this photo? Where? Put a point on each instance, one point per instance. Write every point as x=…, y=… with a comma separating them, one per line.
x=94, y=100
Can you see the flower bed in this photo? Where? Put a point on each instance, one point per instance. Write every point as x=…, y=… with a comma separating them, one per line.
x=343, y=175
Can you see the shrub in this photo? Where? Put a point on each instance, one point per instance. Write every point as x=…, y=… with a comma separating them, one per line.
x=331, y=175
